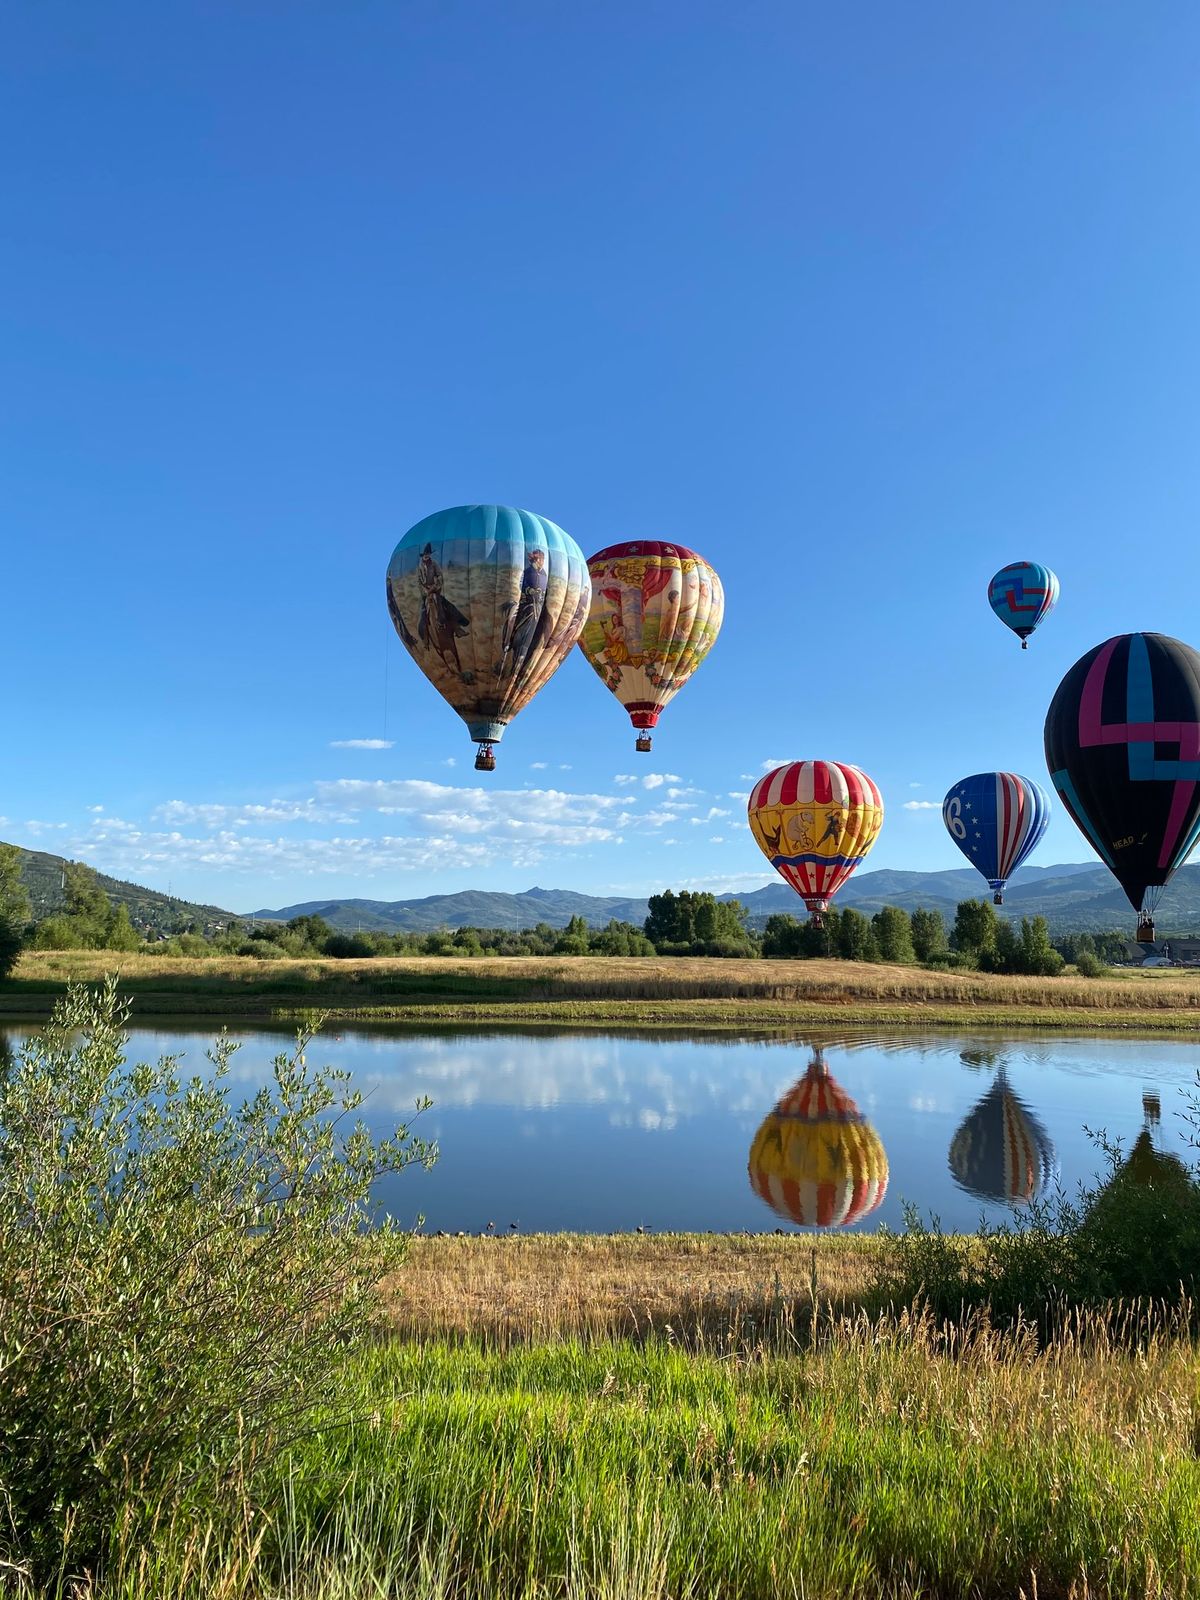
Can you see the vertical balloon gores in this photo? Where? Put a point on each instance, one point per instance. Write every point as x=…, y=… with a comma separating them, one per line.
x=996, y=819
x=1022, y=595
x=655, y=614
x=815, y=821
x=488, y=601
x=1123, y=748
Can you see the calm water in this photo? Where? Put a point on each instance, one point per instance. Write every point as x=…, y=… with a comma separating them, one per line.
x=599, y=1131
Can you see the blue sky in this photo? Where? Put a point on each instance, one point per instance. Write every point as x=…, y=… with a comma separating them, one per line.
x=863, y=304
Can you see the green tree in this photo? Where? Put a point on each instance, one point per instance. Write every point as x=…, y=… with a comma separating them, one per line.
x=782, y=936
x=928, y=933
x=14, y=896
x=1003, y=954
x=1038, y=957
x=311, y=930
x=119, y=932
x=974, y=927
x=14, y=908
x=573, y=940
x=855, y=938
x=893, y=934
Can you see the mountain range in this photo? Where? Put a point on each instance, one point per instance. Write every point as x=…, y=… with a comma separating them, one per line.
x=1074, y=897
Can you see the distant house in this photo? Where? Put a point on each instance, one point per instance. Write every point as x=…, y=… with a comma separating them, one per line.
x=1185, y=948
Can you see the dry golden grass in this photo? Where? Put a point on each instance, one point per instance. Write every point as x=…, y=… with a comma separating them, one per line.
x=549, y=1286
x=594, y=990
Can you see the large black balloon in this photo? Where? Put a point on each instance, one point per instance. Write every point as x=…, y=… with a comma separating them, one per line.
x=1123, y=749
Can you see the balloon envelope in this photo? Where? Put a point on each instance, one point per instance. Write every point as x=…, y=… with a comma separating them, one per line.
x=815, y=821
x=816, y=1159
x=655, y=613
x=488, y=601
x=1001, y=1151
x=996, y=819
x=1021, y=594
x=1123, y=748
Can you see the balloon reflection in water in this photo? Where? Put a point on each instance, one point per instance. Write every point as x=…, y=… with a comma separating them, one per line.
x=816, y=1160
x=1002, y=1152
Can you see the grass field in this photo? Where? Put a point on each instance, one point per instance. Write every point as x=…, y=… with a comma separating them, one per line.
x=512, y=1446
x=591, y=991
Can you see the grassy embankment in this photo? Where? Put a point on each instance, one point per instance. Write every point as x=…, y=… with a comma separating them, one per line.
x=585, y=991
x=518, y=1446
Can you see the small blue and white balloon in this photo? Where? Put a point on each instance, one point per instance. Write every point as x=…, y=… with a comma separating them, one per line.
x=996, y=819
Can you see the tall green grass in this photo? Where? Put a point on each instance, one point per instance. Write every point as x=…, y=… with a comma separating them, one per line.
x=887, y=1459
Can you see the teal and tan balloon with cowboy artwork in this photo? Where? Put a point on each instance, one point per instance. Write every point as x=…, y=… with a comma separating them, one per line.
x=488, y=601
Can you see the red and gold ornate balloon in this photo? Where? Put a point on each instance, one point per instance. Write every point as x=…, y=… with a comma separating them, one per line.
x=655, y=614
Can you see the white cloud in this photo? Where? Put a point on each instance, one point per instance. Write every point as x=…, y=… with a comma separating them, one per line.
x=655, y=780
x=921, y=805
x=95, y=810
x=215, y=815
x=450, y=761
x=625, y=777
x=716, y=838
x=916, y=786
x=540, y=766
x=748, y=777
x=564, y=766
x=361, y=744
x=35, y=827
x=769, y=766
x=674, y=794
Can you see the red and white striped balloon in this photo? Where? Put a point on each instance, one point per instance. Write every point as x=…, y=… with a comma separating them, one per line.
x=815, y=822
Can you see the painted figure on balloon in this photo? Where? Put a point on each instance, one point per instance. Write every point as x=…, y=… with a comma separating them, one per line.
x=527, y=629
x=441, y=623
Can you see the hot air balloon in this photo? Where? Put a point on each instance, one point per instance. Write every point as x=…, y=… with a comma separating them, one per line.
x=1002, y=1152
x=816, y=1159
x=1123, y=749
x=655, y=614
x=488, y=602
x=815, y=821
x=1021, y=595
x=996, y=819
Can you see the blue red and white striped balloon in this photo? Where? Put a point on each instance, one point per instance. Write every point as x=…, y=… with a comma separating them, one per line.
x=996, y=820
x=1021, y=594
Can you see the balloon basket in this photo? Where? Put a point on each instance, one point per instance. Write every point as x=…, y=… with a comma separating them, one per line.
x=642, y=742
x=1145, y=932
x=485, y=758
x=997, y=899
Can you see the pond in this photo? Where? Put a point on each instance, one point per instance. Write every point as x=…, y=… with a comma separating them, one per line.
x=596, y=1132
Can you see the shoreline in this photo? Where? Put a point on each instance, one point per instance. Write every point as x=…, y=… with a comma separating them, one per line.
x=647, y=995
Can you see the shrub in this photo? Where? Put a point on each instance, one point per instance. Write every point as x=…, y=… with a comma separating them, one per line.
x=348, y=945
x=1135, y=1237
x=179, y=1278
x=1089, y=965
x=11, y=942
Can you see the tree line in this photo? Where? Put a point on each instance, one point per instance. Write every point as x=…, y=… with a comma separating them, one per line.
x=687, y=923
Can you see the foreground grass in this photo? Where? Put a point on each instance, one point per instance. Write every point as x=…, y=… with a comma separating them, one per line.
x=887, y=1461
x=583, y=991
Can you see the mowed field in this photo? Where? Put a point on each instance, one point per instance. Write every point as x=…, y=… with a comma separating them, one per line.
x=583, y=991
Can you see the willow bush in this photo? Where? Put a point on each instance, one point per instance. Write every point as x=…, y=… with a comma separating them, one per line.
x=180, y=1276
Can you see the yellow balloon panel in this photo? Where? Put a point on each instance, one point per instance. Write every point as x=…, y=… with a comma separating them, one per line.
x=655, y=613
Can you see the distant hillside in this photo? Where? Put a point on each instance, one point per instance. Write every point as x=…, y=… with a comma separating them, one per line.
x=1076, y=897
x=150, y=912
x=472, y=908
